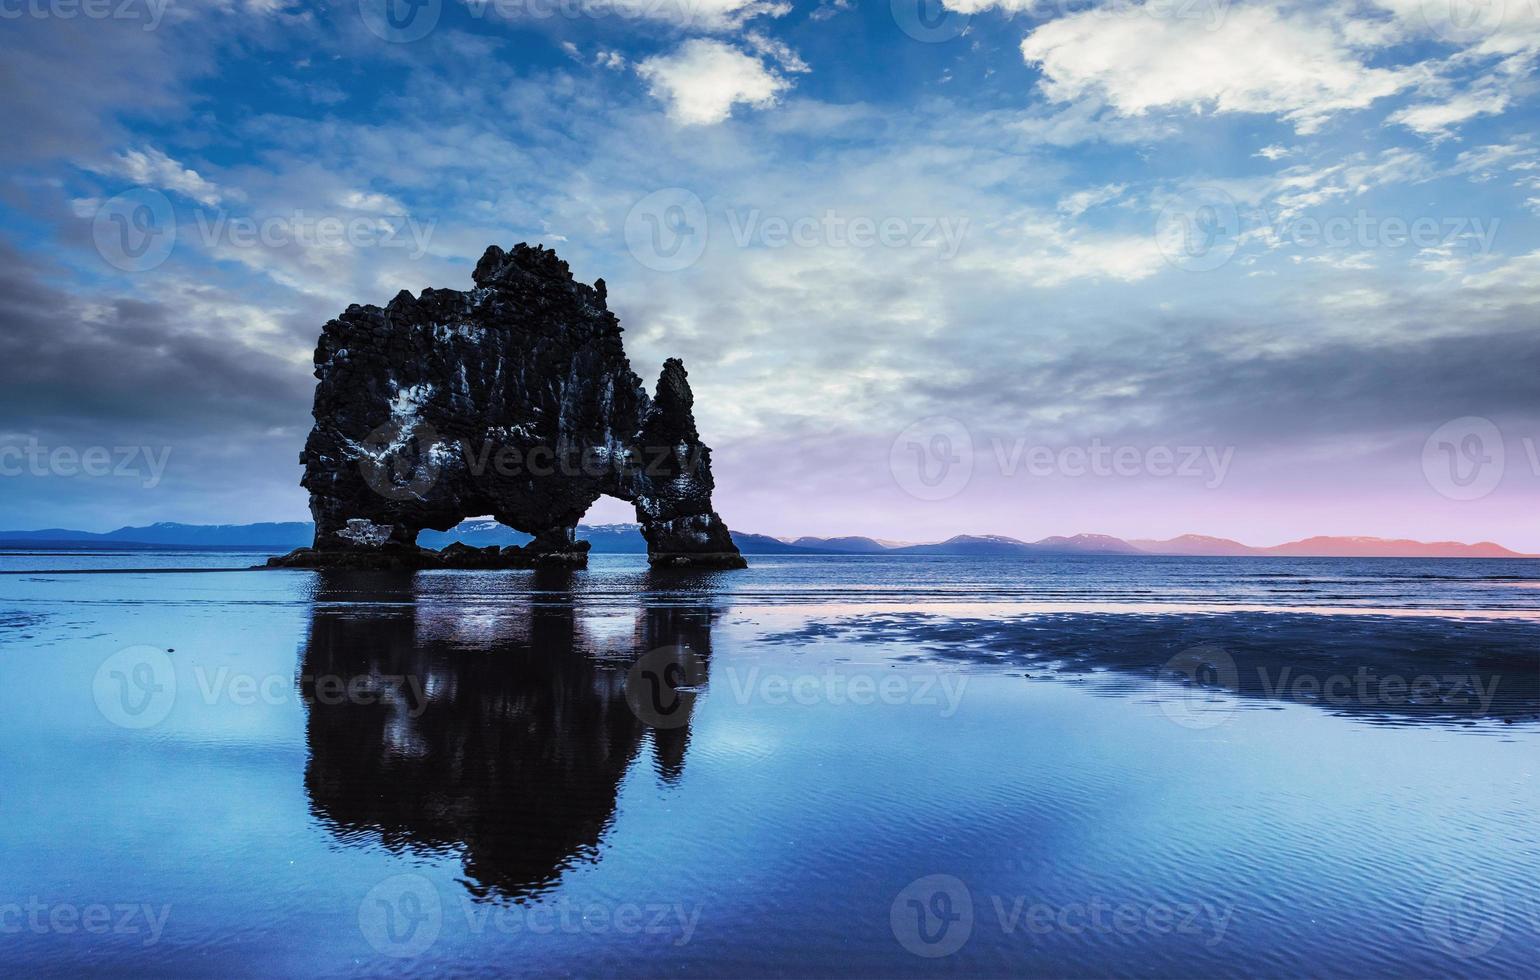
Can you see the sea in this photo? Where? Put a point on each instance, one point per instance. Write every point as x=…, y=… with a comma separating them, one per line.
x=820, y=766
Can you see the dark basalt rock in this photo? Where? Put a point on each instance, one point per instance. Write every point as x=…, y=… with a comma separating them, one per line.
x=513, y=399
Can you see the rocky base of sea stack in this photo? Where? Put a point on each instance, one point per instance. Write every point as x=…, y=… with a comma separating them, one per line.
x=715, y=559
x=399, y=557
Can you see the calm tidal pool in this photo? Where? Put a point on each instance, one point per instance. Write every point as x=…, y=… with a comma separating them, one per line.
x=856, y=766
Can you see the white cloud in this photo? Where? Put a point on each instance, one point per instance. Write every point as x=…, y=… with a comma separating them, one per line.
x=1046, y=252
x=704, y=79
x=1080, y=202
x=1484, y=28
x=1486, y=163
x=267, y=6
x=152, y=168
x=1087, y=121
x=1518, y=275
x=368, y=201
x=1276, y=151
x=1441, y=259
x=1257, y=59
x=705, y=15
x=1497, y=39
x=1364, y=298
x=780, y=51
x=1438, y=118
x=1349, y=262
x=1296, y=189
x=830, y=8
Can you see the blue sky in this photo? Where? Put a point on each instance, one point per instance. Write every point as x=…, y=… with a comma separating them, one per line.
x=922, y=261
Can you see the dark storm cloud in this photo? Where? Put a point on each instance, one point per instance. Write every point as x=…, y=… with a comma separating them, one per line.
x=66, y=80
x=126, y=363
x=1232, y=382
x=78, y=371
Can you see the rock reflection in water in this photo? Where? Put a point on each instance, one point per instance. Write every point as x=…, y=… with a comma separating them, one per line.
x=502, y=733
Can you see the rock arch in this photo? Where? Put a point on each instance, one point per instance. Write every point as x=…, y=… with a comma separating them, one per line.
x=515, y=399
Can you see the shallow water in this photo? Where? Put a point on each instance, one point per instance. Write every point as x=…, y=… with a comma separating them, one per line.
x=880, y=766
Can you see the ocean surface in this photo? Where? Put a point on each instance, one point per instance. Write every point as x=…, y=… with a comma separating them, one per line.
x=818, y=766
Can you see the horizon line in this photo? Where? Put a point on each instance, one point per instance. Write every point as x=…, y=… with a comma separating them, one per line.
x=885, y=542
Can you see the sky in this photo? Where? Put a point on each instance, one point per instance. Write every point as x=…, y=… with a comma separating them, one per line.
x=1257, y=270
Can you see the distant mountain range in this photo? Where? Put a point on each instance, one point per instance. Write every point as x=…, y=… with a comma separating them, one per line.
x=627, y=539
x=1323, y=546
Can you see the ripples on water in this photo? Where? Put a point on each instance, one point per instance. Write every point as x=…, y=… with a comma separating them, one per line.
x=1510, y=586
x=488, y=752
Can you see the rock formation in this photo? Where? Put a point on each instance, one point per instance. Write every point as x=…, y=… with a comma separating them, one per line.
x=513, y=399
